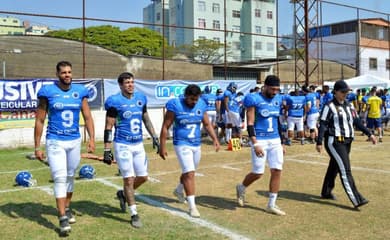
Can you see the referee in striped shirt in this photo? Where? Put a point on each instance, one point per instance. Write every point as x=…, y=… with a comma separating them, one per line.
x=337, y=121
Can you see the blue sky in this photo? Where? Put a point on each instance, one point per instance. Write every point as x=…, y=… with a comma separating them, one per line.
x=131, y=11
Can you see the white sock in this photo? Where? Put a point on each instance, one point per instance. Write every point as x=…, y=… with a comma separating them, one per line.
x=272, y=199
x=180, y=188
x=191, y=201
x=133, y=210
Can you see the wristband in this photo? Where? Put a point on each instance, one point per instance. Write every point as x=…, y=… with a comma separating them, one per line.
x=251, y=131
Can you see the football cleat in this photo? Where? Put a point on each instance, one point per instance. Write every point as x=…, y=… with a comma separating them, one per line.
x=240, y=193
x=275, y=210
x=180, y=196
x=194, y=212
x=122, y=200
x=135, y=221
x=69, y=214
x=64, y=225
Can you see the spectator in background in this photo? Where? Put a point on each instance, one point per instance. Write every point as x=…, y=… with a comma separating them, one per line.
x=374, y=106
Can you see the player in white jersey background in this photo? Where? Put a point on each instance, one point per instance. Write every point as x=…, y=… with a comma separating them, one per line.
x=187, y=113
x=62, y=102
x=126, y=111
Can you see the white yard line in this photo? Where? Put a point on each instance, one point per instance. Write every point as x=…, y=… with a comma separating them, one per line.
x=204, y=223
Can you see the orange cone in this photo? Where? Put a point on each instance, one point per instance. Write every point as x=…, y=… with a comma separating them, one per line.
x=230, y=146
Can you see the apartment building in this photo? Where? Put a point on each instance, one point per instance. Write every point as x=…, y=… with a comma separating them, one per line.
x=250, y=26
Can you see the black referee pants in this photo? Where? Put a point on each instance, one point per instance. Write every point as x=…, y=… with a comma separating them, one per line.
x=339, y=163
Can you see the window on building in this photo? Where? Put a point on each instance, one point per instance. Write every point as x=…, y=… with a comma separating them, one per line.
x=258, y=45
x=373, y=63
x=236, y=45
x=216, y=24
x=236, y=28
x=258, y=29
x=257, y=13
x=270, y=46
x=201, y=6
x=381, y=34
x=202, y=38
x=387, y=64
x=269, y=15
x=270, y=31
x=216, y=8
x=201, y=23
x=236, y=13
x=158, y=16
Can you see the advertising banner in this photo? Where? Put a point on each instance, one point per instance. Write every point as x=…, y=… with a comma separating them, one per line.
x=159, y=92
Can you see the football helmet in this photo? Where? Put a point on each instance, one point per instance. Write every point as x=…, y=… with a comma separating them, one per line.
x=25, y=179
x=87, y=171
x=232, y=87
x=207, y=90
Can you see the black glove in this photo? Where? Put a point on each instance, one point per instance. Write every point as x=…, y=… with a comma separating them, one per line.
x=108, y=157
x=156, y=144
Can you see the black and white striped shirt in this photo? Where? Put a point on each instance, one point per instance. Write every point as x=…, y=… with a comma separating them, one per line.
x=338, y=119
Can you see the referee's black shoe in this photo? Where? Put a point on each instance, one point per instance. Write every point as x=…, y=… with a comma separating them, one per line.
x=363, y=202
x=329, y=196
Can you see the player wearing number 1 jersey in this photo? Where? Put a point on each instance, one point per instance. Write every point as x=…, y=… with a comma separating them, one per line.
x=62, y=103
x=264, y=130
x=186, y=114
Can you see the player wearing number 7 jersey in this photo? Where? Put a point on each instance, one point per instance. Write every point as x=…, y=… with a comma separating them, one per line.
x=62, y=102
x=264, y=130
x=186, y=114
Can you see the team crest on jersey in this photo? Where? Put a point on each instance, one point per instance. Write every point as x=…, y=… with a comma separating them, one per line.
x=58, y=105
x=264, y=112
x=139, y=103
x=127, y=114
x=276, y=103
x=198, y=112
x=75, y=95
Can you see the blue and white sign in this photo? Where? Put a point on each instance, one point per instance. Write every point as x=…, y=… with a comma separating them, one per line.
x=159, y=92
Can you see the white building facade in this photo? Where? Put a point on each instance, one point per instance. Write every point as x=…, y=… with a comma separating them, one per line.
x=362, y=44
x=250, y=25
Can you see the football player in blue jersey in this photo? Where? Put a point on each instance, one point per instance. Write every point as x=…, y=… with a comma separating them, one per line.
x=126, y=111
x=262, y=112
x=232, y=117
x=295, y=110
x=187, y=114
x=62, y=102
x=210, y=99
x=312, y=111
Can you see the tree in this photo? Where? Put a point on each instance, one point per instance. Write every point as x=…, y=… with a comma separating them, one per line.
x=204, y=51
x=132, y=41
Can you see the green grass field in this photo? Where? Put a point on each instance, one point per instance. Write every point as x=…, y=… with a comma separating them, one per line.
x=30, y=213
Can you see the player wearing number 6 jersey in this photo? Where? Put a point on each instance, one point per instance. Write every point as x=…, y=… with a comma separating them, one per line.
x=186, y=114
x=264, y=130
x=62, y=103
x=126, y=111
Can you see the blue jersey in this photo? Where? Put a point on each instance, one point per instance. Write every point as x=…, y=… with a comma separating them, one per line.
x=327, y=97
x=128, y=125
x=230, y=96
x=351, y=97
x=311, y=98
x=386, y=100
x=266, y=114
x=295, y=105
x=63, y=110
x=210, y=101
x=236, y=104
x=186, y=127
x=220, y=99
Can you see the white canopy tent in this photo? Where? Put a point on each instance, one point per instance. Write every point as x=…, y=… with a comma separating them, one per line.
x=364, y=81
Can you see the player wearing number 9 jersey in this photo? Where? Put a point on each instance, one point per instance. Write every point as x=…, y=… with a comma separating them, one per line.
x=264, y=130
x=186, y=114
x=62, y=102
